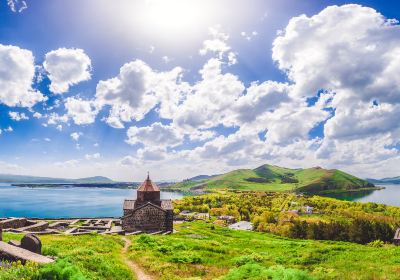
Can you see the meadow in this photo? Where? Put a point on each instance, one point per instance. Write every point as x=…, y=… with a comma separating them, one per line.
x=208, y=250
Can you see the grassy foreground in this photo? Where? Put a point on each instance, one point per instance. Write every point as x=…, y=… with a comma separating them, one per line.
x=79, y=258
x=200, y=250
x=206, y=251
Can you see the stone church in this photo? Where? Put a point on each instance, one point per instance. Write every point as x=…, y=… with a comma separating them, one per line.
x=148, y=213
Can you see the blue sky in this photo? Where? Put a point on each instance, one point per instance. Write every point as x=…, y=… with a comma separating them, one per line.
x=181, y=88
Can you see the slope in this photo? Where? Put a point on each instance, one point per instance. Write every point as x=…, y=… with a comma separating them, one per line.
x=275, y=178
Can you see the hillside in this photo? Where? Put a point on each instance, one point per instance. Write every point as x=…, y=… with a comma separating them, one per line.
x=392, y=180
x=19, y=179
x=275, y=178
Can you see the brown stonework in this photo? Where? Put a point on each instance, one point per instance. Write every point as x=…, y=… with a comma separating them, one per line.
x=148, y=213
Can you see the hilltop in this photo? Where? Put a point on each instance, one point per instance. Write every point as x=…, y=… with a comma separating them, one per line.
x=20, y=179
x=274, y=178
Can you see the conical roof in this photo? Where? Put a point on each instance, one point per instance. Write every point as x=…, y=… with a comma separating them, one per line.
x=148, y=186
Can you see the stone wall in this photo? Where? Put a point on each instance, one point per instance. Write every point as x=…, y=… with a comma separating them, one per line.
x=13, y=223
x=147, y=219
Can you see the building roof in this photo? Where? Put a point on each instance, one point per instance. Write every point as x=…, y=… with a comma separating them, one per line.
x=242, y=225
x=148, y=186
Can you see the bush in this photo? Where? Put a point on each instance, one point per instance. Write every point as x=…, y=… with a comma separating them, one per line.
x=376, y=243
x=186, y=258
x=255, y=271
x=253, y=258
x=60, y=270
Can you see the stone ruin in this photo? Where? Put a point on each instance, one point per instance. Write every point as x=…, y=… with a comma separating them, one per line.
x=29, y=249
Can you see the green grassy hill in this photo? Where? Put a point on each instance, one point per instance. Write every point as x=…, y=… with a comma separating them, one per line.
x=275, y=178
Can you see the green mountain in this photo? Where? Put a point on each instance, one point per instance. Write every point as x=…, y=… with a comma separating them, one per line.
x=275, y=178
x=20, y=179
x=392, y=180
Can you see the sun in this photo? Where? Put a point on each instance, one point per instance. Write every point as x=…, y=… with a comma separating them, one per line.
x=174, y=15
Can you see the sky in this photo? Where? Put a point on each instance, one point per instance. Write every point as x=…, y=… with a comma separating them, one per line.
x=187, y=87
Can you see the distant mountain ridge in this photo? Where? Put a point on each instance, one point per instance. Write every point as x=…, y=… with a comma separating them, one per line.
x=275, y=178
x=20, y=179
x=390, y=180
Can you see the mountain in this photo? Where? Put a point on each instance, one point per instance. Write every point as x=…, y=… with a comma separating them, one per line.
x=202, y=177
x=19, y=179
x=392, y=180
x=274, y=178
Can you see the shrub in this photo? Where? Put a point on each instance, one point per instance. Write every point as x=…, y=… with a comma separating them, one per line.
x=255, y=271
x=376, y=243
x=186, y=258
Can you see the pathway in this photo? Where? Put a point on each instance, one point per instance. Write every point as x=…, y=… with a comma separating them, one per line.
x=140, y=274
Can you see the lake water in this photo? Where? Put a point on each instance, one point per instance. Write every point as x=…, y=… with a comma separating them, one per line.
x=389, y=196
x=66, y=202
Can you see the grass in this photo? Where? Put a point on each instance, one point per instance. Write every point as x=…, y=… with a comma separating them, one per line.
x=86, y=257
x=206, y=251
x=200, y=250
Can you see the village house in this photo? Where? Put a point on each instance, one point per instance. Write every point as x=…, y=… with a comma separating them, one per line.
x=396, y=239
x=148, y=213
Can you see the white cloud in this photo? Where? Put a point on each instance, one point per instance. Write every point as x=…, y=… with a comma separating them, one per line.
x=93, y=156
x=81, y=111
x=67, y=67
x=217, y=44
x=128, y=161
x=18, y=116
x=157, y=134
x=211, y=99
x=249, y=35
x=136, y=90
x=67, y=164
x=17, y=5
x=151, y=154
x=17, y=71
x=47, y=139
x=54, y=118
x=76, y=135
x=37, y=115
x=9, y=129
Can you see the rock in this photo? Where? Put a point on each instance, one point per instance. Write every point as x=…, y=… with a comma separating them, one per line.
x=14, y=243
x=31, y=243
x=1, y=233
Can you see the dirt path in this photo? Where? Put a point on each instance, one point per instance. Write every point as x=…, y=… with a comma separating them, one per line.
x=140, y=274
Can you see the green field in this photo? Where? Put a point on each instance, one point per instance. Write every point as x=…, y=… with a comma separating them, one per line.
x=201, y=250
x=278, y=179
x=285, y=245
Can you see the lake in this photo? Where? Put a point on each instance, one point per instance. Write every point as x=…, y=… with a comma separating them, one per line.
x=66, y=202
x=389, y=196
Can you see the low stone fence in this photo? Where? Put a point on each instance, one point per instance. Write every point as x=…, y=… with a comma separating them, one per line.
x=13, y=223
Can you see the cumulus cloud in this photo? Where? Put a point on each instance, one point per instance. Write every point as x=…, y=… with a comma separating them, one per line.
x=211, y=98
x=66, y=67
x=81, y=111
x=151, y=154
x=93, y=156
x=136, y=90
x=18, y=116
x=17, y=72
x=157, y=134
x=76, y=135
